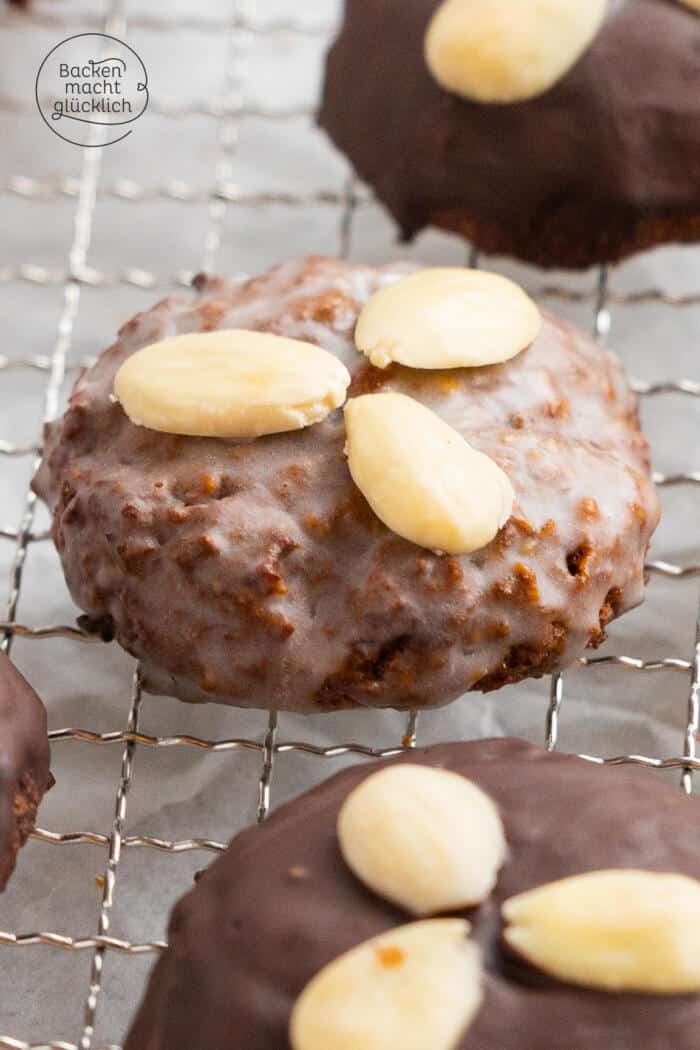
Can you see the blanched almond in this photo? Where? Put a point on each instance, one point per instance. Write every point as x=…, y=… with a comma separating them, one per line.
x=420, y=476
x=509, y=50
x=447, y=317
x=415, y=987
x=427, y=839
x=621, y=930
x=230, y=383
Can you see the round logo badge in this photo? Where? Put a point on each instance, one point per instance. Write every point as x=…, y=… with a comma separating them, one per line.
x=90, y=88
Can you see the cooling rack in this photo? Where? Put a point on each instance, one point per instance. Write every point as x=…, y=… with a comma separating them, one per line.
x=242, y=26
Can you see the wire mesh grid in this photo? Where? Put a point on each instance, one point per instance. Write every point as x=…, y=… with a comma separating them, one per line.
x=242, y=26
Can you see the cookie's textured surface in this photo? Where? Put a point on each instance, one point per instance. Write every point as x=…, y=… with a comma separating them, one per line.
x=604, y=164
x=281, y=904
x=255, y=570
x=24, y=763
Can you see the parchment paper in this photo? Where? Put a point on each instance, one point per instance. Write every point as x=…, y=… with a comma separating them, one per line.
x=182, y=792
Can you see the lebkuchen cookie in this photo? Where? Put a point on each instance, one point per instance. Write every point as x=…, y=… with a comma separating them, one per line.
x=469, y=896
x=335, y=486
x=565, y=133
x=24, y=763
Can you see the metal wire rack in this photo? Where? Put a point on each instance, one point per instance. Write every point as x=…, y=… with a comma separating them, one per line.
x=241, y=26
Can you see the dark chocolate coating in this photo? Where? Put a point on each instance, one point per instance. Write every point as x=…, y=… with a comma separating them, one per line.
x=605, y=163
x=24, y=763
x=280, y=904
x=255, y=573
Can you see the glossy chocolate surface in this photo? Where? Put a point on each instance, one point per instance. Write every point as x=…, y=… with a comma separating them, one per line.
x=280, y=904
x=604, y=164
x=24, y=762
